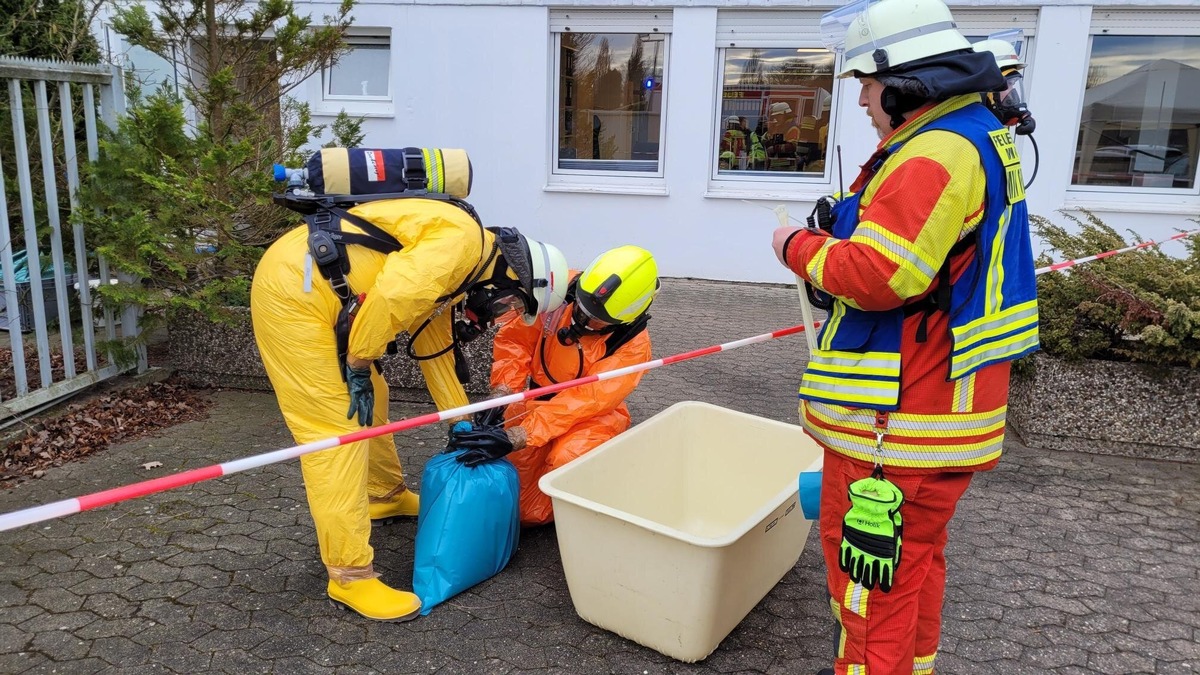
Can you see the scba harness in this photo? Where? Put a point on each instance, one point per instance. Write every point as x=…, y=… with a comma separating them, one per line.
x=336, y=179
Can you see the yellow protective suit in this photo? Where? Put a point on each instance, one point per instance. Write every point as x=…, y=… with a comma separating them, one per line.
x=294, y=328
x=574, y=421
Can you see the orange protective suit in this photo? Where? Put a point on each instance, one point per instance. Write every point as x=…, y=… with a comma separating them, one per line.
x=572, y=422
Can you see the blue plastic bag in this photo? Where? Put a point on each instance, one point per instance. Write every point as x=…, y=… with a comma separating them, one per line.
x=467, y=528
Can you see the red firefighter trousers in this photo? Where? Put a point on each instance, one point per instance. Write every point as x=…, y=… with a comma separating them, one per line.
x=895, y=632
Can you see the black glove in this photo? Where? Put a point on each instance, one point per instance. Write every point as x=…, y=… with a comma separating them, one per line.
x=362, y=394
x=481, y=443
x=492, y=417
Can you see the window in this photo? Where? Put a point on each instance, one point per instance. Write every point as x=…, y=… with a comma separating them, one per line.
x=150, y=70
x=1140, y=123
x=363, y=73
x=610, y=86
x=775, y=101
x=775, y=110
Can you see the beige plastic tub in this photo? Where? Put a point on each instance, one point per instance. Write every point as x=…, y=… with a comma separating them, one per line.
x=673, y=531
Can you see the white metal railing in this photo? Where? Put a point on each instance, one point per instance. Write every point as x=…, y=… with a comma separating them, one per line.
x=39, y=298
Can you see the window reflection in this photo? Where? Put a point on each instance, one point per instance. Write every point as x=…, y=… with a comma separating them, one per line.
x=362, y=71
x=1140, y=125
x=610, y=101
x=775, y=110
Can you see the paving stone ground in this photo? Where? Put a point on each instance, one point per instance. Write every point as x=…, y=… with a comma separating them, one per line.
x=1059, y=562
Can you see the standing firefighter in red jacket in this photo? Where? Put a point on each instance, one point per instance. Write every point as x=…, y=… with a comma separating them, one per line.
x=930, y=270
x=601, y=327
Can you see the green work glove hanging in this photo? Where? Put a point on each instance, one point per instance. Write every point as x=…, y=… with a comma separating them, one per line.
x=871, y=531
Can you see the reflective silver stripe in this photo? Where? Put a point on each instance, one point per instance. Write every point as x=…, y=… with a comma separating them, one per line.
x=897, y=422
x=964, y=393
x=892, y=365
x=898, y=37
x=902, y=456
x=843, y=392
x=959, y=366
x=547, y=290
x=963, y=337
x=858, y=600
x=831, y=326
x=908, y=256
x=995, y=283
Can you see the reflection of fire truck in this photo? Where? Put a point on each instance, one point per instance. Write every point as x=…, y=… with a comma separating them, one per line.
x=789, y=120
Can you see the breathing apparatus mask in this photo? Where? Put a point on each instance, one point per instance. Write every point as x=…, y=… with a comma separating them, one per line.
x=583, y=324
x=483, y=305
x=1009, y=105
x=529, y=277
x=488, y=300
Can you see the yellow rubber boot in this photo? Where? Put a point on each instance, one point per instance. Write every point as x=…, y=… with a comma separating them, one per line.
x=405, y=504
x=375, y=600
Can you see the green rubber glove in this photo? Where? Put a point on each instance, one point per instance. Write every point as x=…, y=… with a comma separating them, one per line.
x=870, y=551
x=362, y=394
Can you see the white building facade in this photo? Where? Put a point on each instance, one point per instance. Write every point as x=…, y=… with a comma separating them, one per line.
x=599, y=124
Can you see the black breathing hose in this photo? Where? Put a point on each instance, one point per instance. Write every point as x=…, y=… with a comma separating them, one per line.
x=1036, y=161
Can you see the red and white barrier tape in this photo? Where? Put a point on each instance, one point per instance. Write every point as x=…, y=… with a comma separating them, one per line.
x=66, y=507
x=1066, y=264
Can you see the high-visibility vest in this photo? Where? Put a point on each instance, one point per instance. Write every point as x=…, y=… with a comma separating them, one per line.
x=757, y=152
x=993, y=305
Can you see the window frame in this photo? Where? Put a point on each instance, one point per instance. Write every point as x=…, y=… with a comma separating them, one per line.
x=768, y=180
x=364, y=40
x=1143, y=24
x=789, y=28
x=617, y=21
x=118, y=48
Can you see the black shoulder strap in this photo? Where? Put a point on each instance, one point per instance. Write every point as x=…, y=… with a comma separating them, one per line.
x=327, y=244
x=939, y=300
x=621, y=336
x=373, y=236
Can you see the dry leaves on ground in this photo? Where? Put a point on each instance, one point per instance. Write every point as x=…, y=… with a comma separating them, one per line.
x=8, y=388
x=111, y=418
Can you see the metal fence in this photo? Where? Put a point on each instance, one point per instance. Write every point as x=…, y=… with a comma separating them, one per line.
x=57, y=309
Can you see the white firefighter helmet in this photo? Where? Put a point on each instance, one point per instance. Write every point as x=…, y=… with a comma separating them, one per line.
x=551, y=276
x=1005, y=46
x=781, y=108
x=541, y=271
x=877, y=36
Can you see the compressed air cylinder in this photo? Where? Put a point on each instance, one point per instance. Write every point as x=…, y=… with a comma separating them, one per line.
x=364, y=171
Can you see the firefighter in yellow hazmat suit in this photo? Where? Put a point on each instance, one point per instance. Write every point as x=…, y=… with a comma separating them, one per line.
x=601, y=328
x=445, y=256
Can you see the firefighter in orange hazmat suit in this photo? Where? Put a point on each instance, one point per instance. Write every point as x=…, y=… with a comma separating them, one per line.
x=602, y=327
x=445, y=255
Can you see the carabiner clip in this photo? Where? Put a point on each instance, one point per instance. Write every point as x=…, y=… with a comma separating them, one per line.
x=881, y=424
